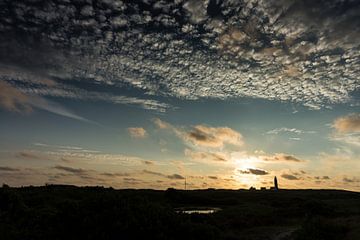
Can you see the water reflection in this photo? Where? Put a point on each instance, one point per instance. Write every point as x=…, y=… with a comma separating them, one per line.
x=197, y=210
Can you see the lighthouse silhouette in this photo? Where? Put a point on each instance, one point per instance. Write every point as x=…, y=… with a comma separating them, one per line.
x=276, y=184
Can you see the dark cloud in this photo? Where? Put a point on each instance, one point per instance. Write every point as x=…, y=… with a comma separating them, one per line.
x=107, y=174
x=351, y=180
x=132, y=181
x=281, y=157
x=289, y=177
x=147, y=162
x=30, y=155
x=8, y=169
x=299, y=51
x=175, y=176
x=153, y=173
x=254, y=171
x=77, y=171
x=85, y=174
x=213, y=177
x=172, y=176
x=322, y=178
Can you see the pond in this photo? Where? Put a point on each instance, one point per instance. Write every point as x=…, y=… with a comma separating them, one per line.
x=197, y=210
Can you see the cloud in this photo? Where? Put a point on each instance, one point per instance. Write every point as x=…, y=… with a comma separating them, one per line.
x=172, y=176
x=196, y=10
x=153, y=173
x=280, y=157
x=75, y=155
x=13, y=100
x=347, y=129
x=322, y=178
x=175, y=176
x=213, y=137
x=204, y=136
x=8, y=169
x=132, y=181
x=90, y=176
x=108, y=174
x=288, y=130
x=254, y=171
x=137, y=132
x=213, y=177
x=289, y=177
x=197, y=49
x=161, y=124
x=348, y=124
x=78, y=171
x=351, y=180
x=75, y=93
x=147, y=162
x=56, y=108
x=207, y=157
x=23, y=74
x=30, y=155
x=349, y=138
x=99, y=158
x=62, y=148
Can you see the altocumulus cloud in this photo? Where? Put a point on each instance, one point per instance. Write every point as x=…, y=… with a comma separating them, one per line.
x=275, y=50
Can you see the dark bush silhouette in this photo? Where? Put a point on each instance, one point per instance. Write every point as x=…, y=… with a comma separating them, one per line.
x=68, y=212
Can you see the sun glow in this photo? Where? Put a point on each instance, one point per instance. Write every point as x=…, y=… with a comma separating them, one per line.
x=244, y=164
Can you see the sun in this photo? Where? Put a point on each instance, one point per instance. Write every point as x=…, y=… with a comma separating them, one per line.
x=243, y=164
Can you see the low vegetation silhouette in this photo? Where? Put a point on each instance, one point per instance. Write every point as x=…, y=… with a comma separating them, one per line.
x=69, y=212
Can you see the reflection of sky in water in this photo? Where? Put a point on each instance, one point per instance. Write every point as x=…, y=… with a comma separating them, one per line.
x=199, y=211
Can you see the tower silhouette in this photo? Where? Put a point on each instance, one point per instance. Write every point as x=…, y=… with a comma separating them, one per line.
x=276, y=184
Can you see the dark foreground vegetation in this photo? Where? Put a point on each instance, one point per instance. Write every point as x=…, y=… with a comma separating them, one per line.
x=68, y=212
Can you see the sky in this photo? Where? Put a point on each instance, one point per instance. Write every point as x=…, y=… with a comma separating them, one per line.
x=148, y=94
